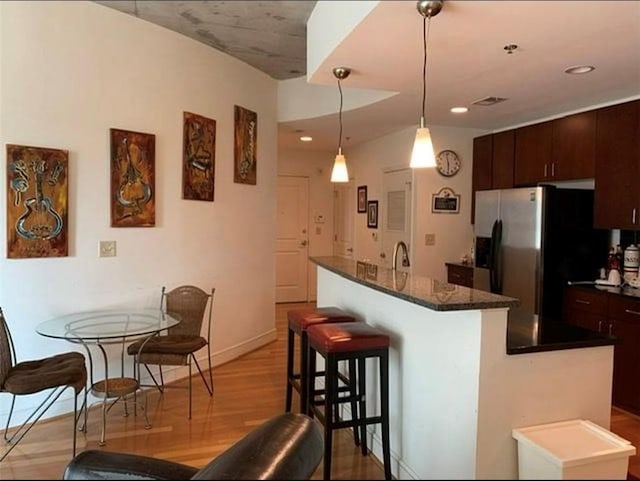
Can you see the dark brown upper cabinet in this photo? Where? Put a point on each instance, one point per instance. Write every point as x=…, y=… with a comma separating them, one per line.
x=492, y=163
x=503, y=152
x=617, y=172
x=532, y=162
x=573, y=147
x=482, y=168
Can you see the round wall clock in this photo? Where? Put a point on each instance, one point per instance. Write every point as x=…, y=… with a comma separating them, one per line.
x=448, y=163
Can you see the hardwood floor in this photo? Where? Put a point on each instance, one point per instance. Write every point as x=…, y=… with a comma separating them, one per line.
x=248, y=391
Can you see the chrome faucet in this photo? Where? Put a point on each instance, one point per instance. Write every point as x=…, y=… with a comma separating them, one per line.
x=405, y=255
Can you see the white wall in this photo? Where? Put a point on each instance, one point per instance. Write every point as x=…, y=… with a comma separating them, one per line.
x=316, y=166
x=454, y=232
x=72, y=70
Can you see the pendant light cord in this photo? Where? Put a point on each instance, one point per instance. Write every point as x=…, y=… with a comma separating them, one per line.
x=340, y=119
x=425, y=39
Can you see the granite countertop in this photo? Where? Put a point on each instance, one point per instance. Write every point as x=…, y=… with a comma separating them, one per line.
x=524, y=336
x=536, y=335
x=625, y=291
x=468, y=265
x=424, y=291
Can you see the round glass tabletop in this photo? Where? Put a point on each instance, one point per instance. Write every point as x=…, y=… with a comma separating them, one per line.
x=107, y=324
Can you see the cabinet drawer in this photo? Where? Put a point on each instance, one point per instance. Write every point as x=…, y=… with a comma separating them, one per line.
x=460, y=275
x=586, y=300
x=624, y=308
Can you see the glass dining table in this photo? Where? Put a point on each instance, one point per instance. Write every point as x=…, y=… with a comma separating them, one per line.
x=107, y=327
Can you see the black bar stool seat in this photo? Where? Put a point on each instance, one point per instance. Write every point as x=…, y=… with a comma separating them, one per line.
x=299, y=320
x=353, y=342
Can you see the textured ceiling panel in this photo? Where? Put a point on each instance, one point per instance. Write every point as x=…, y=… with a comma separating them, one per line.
x=270, y=35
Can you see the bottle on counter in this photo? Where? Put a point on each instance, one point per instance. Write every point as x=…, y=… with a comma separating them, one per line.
x=631, y=262
x=619, y=258
x=611, y=260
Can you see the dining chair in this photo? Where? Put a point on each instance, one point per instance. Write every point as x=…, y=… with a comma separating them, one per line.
x=55, y=373
x=190, y=305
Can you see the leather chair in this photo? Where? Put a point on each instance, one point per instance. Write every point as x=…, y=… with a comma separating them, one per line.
x=178, y=347
x=288, y=446
x=54, y=374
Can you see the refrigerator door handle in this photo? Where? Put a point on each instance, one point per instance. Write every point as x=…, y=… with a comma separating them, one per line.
x=495, y=262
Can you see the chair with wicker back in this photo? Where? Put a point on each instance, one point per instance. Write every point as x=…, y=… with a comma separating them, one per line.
x=55, y=373
x=178, y=347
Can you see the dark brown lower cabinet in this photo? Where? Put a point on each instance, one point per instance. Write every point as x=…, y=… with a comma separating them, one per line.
x=459, y=274
x=619, y=316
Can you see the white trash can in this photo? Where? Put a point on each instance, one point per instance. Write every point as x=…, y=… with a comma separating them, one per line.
x=576, y=449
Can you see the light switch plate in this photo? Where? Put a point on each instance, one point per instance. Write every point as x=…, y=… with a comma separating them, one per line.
x=429, y=239
x=107, y=248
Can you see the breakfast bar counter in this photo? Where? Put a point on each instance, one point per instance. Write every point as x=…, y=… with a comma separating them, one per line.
x=455, y=392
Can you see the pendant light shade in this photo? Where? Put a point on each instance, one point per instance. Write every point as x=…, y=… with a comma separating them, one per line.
x=339, y=172
x=423, y=154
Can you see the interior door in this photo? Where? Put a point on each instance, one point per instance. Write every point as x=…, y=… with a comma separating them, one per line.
x=395, y=215
x=292, y=239
x=343, y=214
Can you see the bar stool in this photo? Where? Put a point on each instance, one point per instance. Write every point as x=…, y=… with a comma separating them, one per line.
x=299, y=321
x=355, y=341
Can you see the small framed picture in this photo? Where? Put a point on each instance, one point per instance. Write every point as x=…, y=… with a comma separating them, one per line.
x=362, y=199
x=372, y=272
x=372, y=214
x=445, y=201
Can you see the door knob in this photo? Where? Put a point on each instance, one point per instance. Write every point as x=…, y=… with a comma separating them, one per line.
x=349, y=249
x=303, y=243
x=383, y=255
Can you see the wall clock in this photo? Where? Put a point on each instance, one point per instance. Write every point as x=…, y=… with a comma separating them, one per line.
x=447, y=163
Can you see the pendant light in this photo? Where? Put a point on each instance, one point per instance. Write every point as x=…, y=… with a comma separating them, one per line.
x=423, y=155
x=339, y=172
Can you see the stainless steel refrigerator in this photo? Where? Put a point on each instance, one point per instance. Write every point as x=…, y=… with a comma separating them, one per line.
x=529, y=242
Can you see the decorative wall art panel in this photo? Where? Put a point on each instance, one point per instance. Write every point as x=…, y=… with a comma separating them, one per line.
x=132, y=179
x=245, y=146
x=37, y=202
x=198, y=157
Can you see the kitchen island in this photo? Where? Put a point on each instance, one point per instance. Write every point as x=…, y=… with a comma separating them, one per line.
x=460, y=381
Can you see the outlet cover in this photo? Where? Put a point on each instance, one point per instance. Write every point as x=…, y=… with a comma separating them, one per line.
x=429, y=239
x=107, y=248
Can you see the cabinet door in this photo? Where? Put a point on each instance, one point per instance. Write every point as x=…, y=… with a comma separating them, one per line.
x=574, y=146
x=482, y=168
x=532, y=162
x=626, y=365
x=624, y=319
x=617, y=180
x=503, y=158
x=460, y=275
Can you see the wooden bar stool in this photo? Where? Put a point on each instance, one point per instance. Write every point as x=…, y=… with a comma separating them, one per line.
x=354, y=341
x=299, y=321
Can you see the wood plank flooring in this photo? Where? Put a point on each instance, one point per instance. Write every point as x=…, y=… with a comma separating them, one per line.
x=248, y=391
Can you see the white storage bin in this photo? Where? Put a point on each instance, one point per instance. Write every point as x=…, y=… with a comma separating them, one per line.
x=576, y=449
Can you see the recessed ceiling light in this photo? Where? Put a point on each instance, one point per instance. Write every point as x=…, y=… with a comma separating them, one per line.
x=306, y=138
x=459, y=110
x=578, y=69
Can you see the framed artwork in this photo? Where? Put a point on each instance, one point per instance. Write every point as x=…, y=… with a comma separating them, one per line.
x=37, y=202
x=198, y=157
x=372, y=214
x=245, y=146
x=445, y=201
x=362, y=199
x=132, y=179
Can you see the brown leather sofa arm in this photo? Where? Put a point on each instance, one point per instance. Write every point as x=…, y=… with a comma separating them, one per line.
x=288, y=446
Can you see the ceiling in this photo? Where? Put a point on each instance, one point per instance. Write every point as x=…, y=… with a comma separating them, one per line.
x=466, y=59
x=271, y=36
